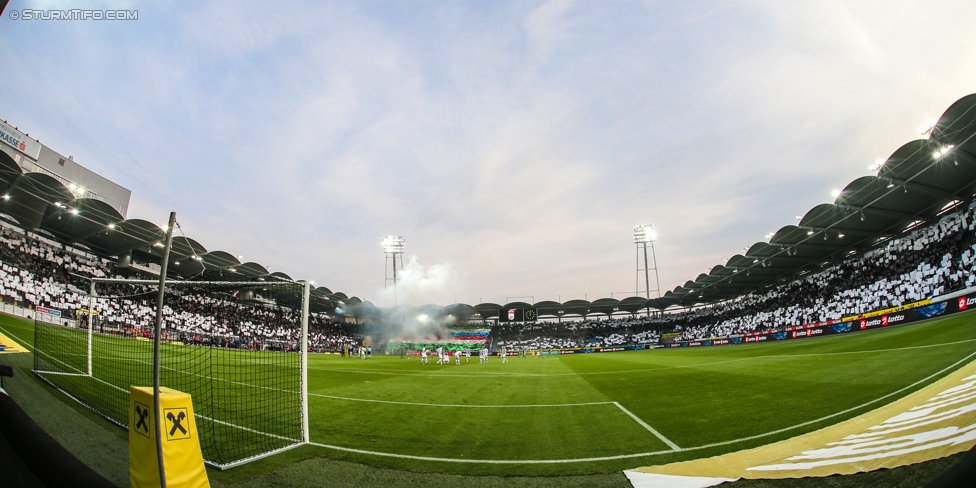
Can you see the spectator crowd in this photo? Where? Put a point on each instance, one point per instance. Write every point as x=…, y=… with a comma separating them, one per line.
x=925, y=262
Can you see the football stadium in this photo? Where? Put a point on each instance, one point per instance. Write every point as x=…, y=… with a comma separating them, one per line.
x=838, y=351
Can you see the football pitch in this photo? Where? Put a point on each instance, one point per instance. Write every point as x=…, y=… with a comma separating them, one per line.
x=566, y=414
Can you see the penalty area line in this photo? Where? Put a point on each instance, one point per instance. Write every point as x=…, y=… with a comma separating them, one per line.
x=482, y=461
x=672, y=445
x=450, y=405
x=650, y=453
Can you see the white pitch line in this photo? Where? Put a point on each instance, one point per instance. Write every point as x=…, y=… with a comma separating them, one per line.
x=650, y=453
x=198, y=415
x=459, y=405
x=14, y=338
x=663, y=368
x=642, y=454
x=672, y=445
x=484, y=461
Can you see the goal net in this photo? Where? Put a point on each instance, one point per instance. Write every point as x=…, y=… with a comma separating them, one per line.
x=235, y=347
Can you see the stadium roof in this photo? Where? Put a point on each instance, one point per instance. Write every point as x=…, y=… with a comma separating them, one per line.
x=918, y=182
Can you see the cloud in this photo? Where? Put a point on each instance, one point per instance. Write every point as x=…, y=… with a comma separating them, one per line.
x=518, y=142
x=419, y=285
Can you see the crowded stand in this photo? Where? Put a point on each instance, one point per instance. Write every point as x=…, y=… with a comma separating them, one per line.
x=927, y=261
x=578, y=334
x=35, y=272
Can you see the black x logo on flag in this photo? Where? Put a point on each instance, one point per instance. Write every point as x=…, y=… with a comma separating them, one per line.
x=177, y=429
x=142, y=416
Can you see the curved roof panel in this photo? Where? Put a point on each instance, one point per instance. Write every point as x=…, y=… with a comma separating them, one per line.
x=279, y=274
x=252, y=269
x=633, y=304
x=487, y=310
x=9, y=172
x=548, y=307
x=126, y=236
x=220, y=260
x=80, y=219
x=576, y=307
x=957, y=125
x=30, y=196
x=605, y=305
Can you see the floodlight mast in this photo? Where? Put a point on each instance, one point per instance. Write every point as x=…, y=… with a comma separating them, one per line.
x=393, y=246
x=644, y=235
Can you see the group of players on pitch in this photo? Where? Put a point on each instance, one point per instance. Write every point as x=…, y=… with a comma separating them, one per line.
x=444, y=356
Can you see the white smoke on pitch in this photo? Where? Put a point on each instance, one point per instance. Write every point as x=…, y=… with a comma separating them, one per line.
x=417, y=283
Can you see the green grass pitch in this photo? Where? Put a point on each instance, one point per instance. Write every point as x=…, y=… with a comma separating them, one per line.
x=581, y=413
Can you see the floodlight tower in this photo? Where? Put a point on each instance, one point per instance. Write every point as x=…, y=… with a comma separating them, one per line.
x=393, y=246
x=644, y=235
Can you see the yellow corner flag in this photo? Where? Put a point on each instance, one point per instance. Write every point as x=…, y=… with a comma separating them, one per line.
x=182, y=457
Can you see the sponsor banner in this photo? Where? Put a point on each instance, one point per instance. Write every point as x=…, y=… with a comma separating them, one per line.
x=888, y=311
x=964, y=303
x=807, y=332
x=19, y=141
x=49, y=311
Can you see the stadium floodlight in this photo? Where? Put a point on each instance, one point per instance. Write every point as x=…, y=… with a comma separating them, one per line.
x=835, y=193
x=393, y=246
x=877, y=165
x=645, y=234
x=943, y=151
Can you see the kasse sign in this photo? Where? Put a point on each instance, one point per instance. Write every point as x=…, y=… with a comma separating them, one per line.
x=19, y=141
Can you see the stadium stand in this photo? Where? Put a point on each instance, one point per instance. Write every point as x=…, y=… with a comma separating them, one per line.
x=36, y=272
x=927, y=262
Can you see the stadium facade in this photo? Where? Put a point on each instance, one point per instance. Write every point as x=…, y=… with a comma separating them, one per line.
x=34, y=157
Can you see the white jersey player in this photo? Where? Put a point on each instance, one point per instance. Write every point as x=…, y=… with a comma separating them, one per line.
x=423, y=355
x=457, y=357
x=467, y=354
x=504, y=353
x=440, y=355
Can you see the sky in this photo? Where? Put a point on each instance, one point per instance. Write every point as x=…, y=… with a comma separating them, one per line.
x=514, y=145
